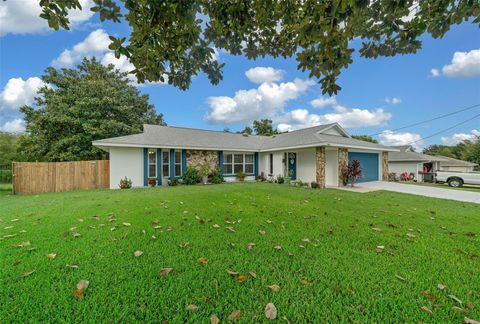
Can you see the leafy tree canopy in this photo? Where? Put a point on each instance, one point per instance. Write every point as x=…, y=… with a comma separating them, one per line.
x=247, y=130
x=176, y=39
x=79, y=106
x=365, y=138
x=264, y=127
x=7, y=147
x=466, y=150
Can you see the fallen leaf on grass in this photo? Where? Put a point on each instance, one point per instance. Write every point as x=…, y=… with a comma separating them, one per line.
x=52, y=255
x=126, y=224
x=230, y=228
x=426, y=310
x=165, y=271
x=262, y=232
x=274, y=288
x=138, y=253
x=430, y=296
x=202, y=260
x=9, y=235
x=250, y=246
x=400, y=278
x=216, y=226
x=253, y=274
x=410, y=235
x=441, y=286
x=77, y=235
x=230, y=272
x=113, y=229
x=16, y=262
x=270, y=311
x=214, y=319
x=305, y=282
x=8, y=227
x=83, y=284
x=241, y=278
x=379, y=248
x=459, y=309
x=234, y=315
x=278, y=247
x=23, y=244
x=455, y=298
x=73, y=266
x=376, y=229
x=192, y=307
x=26, y=274
x=470, y=320
x=15, y=220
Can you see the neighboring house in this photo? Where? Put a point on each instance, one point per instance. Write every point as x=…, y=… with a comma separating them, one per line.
x=420, y=165
x=311, y=154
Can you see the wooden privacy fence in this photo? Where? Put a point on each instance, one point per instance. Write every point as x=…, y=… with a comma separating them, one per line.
x=37, y=177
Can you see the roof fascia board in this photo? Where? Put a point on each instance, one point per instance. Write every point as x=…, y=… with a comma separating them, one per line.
x=173, y=147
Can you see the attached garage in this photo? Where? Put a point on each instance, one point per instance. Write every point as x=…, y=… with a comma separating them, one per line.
x=368, y=163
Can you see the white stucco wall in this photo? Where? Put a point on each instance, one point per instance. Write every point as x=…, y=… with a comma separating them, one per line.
x=126, y=162
x=400, y=167
x=306, y=166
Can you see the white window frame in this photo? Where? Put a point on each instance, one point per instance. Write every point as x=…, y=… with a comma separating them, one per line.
x=153, y=152
x=175, y=164
x=232, y=154
x=166, y=153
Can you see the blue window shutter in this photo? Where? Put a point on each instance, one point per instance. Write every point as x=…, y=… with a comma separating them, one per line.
x=256, y=164
x=145, y=167
x=184, y=161
x=159, y=166
x=172, y=163
x=220, y=161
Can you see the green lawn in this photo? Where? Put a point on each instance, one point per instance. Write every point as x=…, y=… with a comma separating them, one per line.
x=5, y=189
x=327, y=268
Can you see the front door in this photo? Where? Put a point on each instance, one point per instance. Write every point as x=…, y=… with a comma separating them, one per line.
x=292, y=165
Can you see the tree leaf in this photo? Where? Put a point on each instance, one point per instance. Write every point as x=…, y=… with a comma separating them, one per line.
x=202, y=260
x=52, y=255
x=28, y=273
x=400, y=278
x=241, y=278
x=126, y=224
x=230, y=272
x=137, y=253
x=214, y=319
x=234, y=315
x=270, y=311
x=426, y=310
x=470, y=321
x=441, y=286
x=165, y=271
x=274, y=288
x=380, y=248
x=83, y=284
x=192, y=307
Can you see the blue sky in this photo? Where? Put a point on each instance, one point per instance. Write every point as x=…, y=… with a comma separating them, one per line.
x=376, y=97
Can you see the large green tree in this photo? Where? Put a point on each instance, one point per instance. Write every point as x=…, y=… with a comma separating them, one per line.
x=78, y=106
x=365, y=138
x=7, y=147
x=264, y=127
x=177, y=38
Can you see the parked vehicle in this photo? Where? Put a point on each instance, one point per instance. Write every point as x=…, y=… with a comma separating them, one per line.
x=457, y=178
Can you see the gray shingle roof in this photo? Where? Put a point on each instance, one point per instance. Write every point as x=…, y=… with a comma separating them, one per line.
x=177, y=137
x=420, y=157
x=454, y=162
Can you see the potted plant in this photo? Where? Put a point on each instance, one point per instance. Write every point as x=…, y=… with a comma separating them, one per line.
x=241, y=176
x=152, y=182
x=204, y=171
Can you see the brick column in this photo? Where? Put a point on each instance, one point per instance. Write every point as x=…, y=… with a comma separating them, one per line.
x=320, y=166
x=342, y=162
x=385, y=166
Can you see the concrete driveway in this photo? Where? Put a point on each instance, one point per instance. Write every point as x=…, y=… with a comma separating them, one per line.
x=444, y=193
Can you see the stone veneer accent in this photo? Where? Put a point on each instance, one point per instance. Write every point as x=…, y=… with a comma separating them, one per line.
x=342, y=162
x=196, y=158
x=320, y=166
x=385, y=166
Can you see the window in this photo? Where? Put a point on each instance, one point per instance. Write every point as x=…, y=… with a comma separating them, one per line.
x=227, y=164
x=248, y=163
x=234, y=163
x=237, y=163
x=271, y=164
x=166, y=163
x=152, y=163
x=178, y=163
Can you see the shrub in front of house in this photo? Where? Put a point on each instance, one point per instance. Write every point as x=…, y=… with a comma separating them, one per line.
x=216, y=177
x=125, y=183
x=314, y=185
x=173, y=182
x=349, y=174
x=261, y=177
x=280, y=179
x=191, y=176
x=152, y=182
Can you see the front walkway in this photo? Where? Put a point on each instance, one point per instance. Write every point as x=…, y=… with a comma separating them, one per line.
x=444, y=193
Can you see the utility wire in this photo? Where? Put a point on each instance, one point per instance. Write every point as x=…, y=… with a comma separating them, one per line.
x=431, y=119
x=445, y=130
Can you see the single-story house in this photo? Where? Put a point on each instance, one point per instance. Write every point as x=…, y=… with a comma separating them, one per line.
x=421, y=166
x=311, y=154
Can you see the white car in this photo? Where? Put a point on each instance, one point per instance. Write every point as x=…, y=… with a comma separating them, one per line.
x=457, y=178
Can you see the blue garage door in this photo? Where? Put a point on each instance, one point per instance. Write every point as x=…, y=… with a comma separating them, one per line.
x=368, y=164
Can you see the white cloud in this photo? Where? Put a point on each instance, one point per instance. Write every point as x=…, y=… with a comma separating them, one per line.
x=18, y=92
x=262, y=74
x=322, y=102
x=96, y=44
x=264, y=102
x=463, y=65
x=347, y=117
x=460, y=137
x=393, y=100
x=14, y=126
x=388, y=137
x=23, y=16
x=434, y=73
